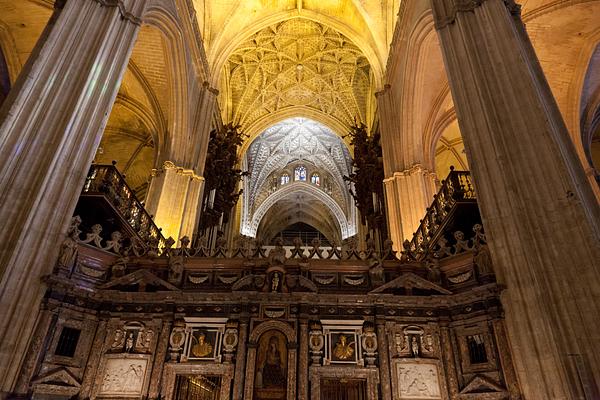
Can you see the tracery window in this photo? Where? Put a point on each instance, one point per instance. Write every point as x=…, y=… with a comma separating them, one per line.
x=285, y=178
x=300, y=174
x=315, y=179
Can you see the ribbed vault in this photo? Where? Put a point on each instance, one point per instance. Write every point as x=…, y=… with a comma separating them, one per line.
x=279, y=151
x=297, y=63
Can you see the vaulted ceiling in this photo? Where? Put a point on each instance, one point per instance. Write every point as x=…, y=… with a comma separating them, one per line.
x=278, y=150
x=297, y=67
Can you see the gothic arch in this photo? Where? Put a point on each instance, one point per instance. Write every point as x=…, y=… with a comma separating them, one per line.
x=179, y=112
x=348, y=228
x=418, y=88
x=159, y=122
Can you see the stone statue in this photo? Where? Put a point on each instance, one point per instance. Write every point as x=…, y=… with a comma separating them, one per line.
x=483, y=260
x=414, y=346
x=129, y=343
x=69, y=249
x=461, y=244
x=277, y=255
x=94, y=236
x=114, y=243
x=275, y=282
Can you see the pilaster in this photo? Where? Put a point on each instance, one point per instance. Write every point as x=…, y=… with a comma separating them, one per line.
x=48, y=136
x=240, y=361
x=540, y=214
x=159, y=359
x=303, y=361
x=384, y=360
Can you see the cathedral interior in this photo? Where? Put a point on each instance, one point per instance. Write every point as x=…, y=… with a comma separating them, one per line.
x=300, y=199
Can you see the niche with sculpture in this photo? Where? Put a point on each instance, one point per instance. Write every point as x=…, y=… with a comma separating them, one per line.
x=271, y=366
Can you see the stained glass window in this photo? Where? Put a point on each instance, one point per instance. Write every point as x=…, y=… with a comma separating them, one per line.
x=300, y=174
x=315, y=179
x=285, y=178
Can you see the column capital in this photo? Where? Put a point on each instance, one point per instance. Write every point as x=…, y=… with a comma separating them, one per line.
x=127, y=15
x=170, y=165
x=412, y=170
x=446, y=11
x=384, y=91
x=210, y=89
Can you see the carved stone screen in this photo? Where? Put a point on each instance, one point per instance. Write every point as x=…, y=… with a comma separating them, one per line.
x=418, y=381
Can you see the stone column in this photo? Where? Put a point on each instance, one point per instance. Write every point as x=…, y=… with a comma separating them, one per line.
x=173, y=199
x=49, y=133
x=176, y=190
x=303, y=361
x=408, y=194
x=240, y=361
x=384, y=360
x=159, y=360
x=540, y=214
x=409, y=186
x=93, y=360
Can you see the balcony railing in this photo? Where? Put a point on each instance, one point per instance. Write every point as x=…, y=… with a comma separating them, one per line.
x=456, y=188
x=107, y=181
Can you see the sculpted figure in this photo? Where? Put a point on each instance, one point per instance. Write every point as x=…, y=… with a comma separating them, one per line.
x=68, y=252
x=414, y=345
x=129, y=343
x=275, y=282
x=343, y=350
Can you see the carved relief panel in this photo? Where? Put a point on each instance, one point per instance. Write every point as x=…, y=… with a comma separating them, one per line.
x=417, y=379
x=124, y=375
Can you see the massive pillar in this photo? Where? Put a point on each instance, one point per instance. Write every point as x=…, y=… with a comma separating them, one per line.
x=51, y=125
x=408, y=194
x=540, y=214
x=173, y=199
x=409, y=185
x=175, y=193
